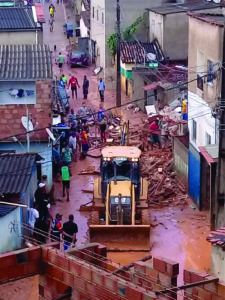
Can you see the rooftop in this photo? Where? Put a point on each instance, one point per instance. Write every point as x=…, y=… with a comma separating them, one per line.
x=40, y=12
x=214, y=19
x=5, y=209
x=132, y=52
x=17, y=19
x=25, y=62
x=15, y=171
x=183, y=7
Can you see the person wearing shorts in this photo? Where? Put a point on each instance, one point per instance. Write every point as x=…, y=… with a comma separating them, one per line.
x=60, y=61
x=73, y=82
x=66, y=181
x=154, y=133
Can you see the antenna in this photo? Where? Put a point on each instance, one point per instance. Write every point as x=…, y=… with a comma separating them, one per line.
x=30, y=126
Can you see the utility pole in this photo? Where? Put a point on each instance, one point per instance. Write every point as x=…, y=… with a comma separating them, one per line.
x=219, y=205
x=28, y=129
x=118, y=79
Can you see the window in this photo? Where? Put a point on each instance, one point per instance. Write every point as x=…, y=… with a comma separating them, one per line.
x=200, y=70
x=210, y=73
x=200, y=81
x=194, y=130
x=208, y=139
x=102, y=18
x=97, y=15
x=93, y=12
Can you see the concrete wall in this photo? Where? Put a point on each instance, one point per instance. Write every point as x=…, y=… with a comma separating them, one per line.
x=84, y=31
x=10, y=231
x=21, y=37
x=218, y=262
x=40, y=113
x=207, y=39
x=181, y=161
x=156, y=28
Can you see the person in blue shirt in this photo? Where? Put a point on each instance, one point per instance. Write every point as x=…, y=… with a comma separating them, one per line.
x=101, y=89
x=100, y=112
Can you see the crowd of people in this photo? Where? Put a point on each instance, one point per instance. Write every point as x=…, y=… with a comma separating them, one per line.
x=40, y=219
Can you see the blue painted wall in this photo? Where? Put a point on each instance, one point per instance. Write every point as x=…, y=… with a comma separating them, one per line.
x=194, y=175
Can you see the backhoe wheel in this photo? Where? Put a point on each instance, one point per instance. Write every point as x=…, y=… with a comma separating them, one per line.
x=94, y=218
x=145, y=217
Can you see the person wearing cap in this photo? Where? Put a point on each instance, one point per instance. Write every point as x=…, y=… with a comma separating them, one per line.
x=66, y=181
x=154, y=133
x=56, y=228
x=70, y=230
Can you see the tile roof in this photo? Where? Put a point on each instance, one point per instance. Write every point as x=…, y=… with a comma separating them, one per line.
x=25, y=62
x=6, y=209
x=17, y=18
x=15, y=171
x=131, y=51
x=214, y=19
x=40, y=12
x=217, y=237
x=183, y=7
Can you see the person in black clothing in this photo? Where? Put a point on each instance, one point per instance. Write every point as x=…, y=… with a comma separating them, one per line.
x=70, y=230
x=40, y=231
x=42, y=202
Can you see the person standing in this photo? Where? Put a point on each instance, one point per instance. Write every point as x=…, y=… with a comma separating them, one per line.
x=84, y=142
x=73, y=145
x=83, y=113
x=73, y=118
x=85, y=86
x=154, y=133
x=101, y=89
x=67, y=157
x=33, y=216
x=70, y=230
x=103, y=129
x=64, y=79
x=60, y=61
x=66, y=182
x=56, y=228
x=101, y=112
x=73, y=82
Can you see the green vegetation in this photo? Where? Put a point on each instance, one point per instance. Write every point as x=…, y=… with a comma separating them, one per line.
x=127, y=35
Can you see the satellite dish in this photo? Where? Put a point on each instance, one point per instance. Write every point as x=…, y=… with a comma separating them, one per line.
x=151, y=56
x=30, y=125
x=50, y=135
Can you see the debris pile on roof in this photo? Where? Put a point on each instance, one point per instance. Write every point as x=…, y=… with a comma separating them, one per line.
x=217, y=237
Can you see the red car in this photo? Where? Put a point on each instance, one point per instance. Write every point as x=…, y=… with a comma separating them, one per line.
x=78, y=58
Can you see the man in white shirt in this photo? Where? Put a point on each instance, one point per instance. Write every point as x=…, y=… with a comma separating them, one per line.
x=33, y=216
x=101, y=89
x=73, y=145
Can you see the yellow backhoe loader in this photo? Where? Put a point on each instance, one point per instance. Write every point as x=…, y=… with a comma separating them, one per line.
x=120, y=218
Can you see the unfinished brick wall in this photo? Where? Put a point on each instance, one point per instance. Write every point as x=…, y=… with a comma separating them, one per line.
x=10, y=115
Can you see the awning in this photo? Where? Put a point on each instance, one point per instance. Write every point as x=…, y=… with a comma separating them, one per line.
x=150, y=86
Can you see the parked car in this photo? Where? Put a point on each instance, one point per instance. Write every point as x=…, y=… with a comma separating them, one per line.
x=78, y=58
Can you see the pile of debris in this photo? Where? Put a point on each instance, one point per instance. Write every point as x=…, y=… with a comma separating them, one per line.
x=164, y=185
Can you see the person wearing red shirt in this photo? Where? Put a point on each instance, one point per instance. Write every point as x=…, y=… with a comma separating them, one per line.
x=73, y=82
x=154, y=133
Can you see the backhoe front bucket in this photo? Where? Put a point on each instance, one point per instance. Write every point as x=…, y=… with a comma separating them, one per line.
x=121, y=237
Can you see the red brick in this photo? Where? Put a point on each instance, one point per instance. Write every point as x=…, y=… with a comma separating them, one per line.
x=58, y=260
x=104, y=294
x=34, y=253
x=186, y=276
x=51, y=283
x=16, y=271
x=140, y=267
x=79, y=283
x=74, y=267
x=133, y=293
x=216, y=297
x=102, y=250
x=55, y=272
x=44, y=253
x=121, y=288
x=61, y=287
x=4, y=274
x=204, y=294
x=86, y=272
x=68, y=278
x=90, y=289
x=221, y=288
x=7, y=260
x=212, y=286
x=32, y=268
x=97, y=276
x=149, y=296
x=159, y=264
x=110, y=283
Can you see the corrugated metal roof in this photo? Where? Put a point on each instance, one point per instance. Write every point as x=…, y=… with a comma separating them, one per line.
x=15, y=172
x=17, y=18
x=134, y=51
x=6, y=209
x=25, y=62
x=183, y=7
